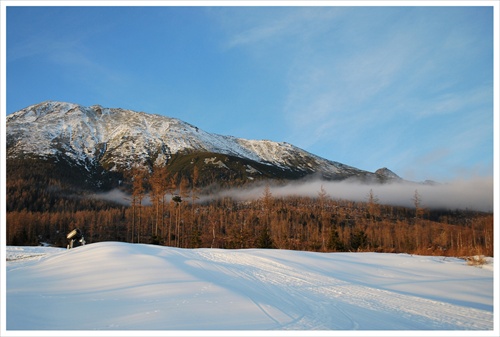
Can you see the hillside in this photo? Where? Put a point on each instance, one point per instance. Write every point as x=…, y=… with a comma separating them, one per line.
x=99, y=144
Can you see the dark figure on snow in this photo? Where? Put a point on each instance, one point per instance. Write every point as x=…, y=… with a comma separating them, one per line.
x=75, y=238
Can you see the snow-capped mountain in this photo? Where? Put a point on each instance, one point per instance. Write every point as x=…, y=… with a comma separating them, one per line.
x=114, y=138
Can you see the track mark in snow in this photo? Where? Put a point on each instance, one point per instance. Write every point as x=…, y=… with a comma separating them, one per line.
x=24, y=257
x=330, y=303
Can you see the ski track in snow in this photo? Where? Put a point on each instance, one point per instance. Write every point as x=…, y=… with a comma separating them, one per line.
x=329, y=301
x=125, y=286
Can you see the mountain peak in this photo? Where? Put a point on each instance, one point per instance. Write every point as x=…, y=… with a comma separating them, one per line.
x=388, y=174
x=42, y=109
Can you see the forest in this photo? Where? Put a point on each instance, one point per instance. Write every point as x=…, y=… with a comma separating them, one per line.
x=166, y=209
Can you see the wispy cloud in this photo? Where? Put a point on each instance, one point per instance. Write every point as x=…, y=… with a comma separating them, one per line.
x=449, y=102
x=275, y=24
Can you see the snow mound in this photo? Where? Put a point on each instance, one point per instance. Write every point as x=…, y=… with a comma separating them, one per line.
x=120, y=286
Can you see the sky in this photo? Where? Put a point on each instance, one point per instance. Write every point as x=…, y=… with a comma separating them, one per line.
x=407, y=88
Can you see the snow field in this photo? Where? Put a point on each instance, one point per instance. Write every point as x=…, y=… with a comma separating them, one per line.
x=120, y=286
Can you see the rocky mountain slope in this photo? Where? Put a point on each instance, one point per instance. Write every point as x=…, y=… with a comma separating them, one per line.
x=98, y=141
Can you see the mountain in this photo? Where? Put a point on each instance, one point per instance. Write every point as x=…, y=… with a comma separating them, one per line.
x=387, y=174
x=97, y=144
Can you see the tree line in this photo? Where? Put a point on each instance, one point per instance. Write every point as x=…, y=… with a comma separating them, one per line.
x=165, y=209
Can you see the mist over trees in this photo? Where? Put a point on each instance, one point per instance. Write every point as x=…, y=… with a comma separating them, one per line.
x=176, y=210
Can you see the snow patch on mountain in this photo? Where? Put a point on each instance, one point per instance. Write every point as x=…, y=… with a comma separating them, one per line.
x=217, y=163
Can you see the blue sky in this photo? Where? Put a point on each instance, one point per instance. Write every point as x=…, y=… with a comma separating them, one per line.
x=408, y=88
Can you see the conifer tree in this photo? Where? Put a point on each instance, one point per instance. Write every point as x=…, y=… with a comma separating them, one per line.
x=265, y=240
x=334, y=242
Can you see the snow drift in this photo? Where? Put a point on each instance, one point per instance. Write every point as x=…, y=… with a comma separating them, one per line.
x=120, y=286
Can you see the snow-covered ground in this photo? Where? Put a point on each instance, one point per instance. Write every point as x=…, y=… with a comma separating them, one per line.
x=120, y=286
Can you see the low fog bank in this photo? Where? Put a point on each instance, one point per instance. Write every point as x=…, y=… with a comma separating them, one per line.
x=117, y=196
x=473, y=194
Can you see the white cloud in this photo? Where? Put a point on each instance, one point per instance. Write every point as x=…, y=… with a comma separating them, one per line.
x=450, y=102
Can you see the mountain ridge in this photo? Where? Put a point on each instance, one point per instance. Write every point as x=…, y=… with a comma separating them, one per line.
x=112, y=139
